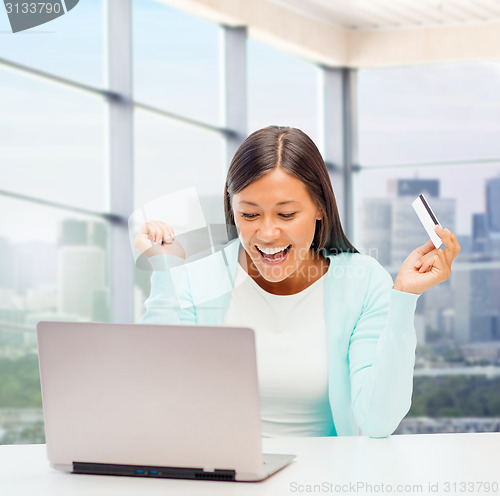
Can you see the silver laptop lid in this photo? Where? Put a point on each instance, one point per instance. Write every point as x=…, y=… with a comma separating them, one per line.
x=177, y=396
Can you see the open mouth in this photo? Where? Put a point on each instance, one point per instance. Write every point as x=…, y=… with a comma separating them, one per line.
x=275, y=257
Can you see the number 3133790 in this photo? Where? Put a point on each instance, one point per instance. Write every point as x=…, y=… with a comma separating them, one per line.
x=33, y=8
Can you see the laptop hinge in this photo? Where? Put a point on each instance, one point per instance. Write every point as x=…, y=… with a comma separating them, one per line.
x=152, y=471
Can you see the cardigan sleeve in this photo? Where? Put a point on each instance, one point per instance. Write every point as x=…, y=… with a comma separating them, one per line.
x=170, y=300
x=382, y=356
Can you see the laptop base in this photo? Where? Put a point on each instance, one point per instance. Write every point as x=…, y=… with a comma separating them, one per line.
x=152, y=471
x=272, y=464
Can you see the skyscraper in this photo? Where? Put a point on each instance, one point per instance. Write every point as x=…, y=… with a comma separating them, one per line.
x=414, y=187
x=493, y=204
x=392, y=230
x=390, y=226
x=377, y=229
x=81, y=273
x=7, y=259
x=75, y=232
x=480, y=233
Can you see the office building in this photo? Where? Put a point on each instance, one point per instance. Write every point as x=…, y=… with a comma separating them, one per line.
x=493, y=204
x=392, y=230
x=83, y=233
x=390, y=225
x=7, y=274
x=41, y=299
x=407, y=230
x=34, y=271
x=414, y=187
x=81, y=272
x=480, y=233
x=377, y=229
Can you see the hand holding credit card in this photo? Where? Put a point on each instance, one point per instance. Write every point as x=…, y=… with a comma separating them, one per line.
x=428, y=219
x=427, y=265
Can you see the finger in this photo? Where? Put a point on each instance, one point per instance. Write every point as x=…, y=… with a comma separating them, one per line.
x=170, y=235
x=424, y=249
x=152, y=231
x=156, y=231
x=160, y=231
x=451, y=245
x=148, y=230
x=144, y=228
x=428, y=262
x=437, y=264
x=165, y=234
x=443, y=265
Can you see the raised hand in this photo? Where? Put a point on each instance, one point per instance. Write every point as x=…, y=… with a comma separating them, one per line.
x=427, y=266
x=157, y=238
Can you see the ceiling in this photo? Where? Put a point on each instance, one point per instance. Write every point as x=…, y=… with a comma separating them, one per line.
x=396, y=14
x=365, y=33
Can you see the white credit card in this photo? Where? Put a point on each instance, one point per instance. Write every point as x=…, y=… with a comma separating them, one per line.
x=428, y=218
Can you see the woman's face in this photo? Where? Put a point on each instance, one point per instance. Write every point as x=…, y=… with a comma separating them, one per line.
x=276, y=221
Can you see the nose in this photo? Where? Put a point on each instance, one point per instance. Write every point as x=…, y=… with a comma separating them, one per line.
x=268, y=230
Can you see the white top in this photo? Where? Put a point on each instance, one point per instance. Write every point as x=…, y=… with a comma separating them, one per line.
x=292, y=358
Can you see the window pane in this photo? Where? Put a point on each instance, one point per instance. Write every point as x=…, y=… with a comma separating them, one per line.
x=70, y=46
x=464, y=187
x=176, y=61
x=463, y=311
x=429, y=113
x=458, y=320
x=53, y=267
x=169, y=157
x=282, y=90
x=52, y=142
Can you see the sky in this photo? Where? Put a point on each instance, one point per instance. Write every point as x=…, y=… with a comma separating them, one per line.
x=53, y=140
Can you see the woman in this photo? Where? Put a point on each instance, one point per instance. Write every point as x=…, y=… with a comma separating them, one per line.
x=335, y=339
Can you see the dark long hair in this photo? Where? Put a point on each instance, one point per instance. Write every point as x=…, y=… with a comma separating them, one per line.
x=293, y=151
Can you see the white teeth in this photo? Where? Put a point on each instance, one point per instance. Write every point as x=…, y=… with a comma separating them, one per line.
x=271, y=251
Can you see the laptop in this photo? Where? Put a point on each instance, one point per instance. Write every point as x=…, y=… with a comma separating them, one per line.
x=168, y=401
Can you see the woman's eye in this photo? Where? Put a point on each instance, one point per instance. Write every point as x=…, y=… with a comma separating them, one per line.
x=253, y=216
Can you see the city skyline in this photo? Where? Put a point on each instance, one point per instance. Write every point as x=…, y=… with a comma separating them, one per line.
x=75, y=266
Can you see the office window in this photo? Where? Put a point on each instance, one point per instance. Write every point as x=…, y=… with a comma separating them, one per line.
x=53, y=152
x=448, y=118
x=54, y=267
x=169, y=157
x=282, y=90
x=69, y=46
x=176, y=61
x=52, y=143
x=429, y=113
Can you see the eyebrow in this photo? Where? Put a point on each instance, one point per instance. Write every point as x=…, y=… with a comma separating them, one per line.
x=279, y=203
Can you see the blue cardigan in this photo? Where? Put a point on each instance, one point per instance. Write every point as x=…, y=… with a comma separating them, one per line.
x=371, y=334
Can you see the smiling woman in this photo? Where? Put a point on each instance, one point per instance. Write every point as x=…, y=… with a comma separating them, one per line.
x=279, y=196
x=335, y=339
x=277, y=235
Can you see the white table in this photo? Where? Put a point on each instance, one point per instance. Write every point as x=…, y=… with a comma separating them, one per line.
x=435, y=463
